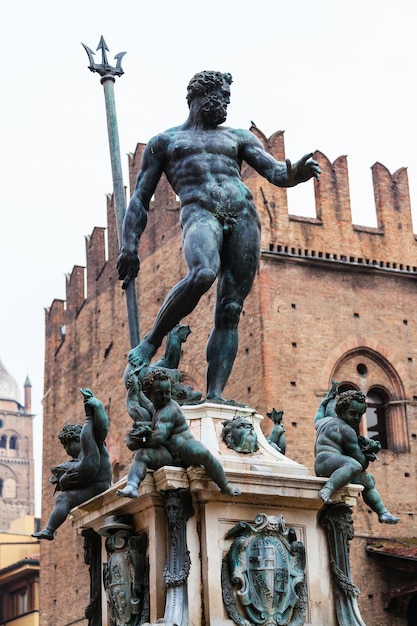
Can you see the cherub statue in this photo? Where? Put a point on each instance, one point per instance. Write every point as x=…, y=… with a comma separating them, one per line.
x=169, y=363
x=167, y=440
x=341, y=455
x=88, y=472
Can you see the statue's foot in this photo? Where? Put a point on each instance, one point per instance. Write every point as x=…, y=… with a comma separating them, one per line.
x=128, y=492
x=387, y=518
x=142, y=354
x=325, y=494
x=231, y=491
x=44, y=534
x=194, y=397
x=216, y=399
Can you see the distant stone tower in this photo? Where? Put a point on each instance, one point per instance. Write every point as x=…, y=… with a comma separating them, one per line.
x=16, y=450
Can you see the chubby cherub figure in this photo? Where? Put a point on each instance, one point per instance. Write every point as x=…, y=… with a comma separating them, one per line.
x=88, y=472
x=341, y=455
x=167, y=440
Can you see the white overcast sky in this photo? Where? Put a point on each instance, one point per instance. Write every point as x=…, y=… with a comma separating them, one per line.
x=336, y=76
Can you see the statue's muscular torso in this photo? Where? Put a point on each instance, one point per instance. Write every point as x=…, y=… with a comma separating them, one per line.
x=203, y=167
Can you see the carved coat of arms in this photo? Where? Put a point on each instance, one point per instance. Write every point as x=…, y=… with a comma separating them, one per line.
x=263, y=576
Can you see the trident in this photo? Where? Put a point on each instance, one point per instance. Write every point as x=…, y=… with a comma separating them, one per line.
x=108, y=73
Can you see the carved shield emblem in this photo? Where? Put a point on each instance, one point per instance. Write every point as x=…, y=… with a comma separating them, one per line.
x=118, y=587
x=125, y=574
x=263, y=574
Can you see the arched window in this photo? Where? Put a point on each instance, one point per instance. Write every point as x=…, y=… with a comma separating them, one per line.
x=13, y=442
x=3, y=441
x=367, y=370
x=1, y=487
x=346, y=387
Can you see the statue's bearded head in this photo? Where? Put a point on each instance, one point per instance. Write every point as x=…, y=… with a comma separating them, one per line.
x=213, y=89
x=239, y=435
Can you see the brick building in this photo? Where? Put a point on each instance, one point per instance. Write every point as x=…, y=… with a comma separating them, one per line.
x=19, y=552
x=19, y=574
x=331, y=300
x=16, y=451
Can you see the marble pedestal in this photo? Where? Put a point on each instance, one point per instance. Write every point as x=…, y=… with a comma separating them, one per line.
x=270, y=484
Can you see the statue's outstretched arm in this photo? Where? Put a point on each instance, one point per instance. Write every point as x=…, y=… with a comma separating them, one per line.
x=277, y=172
x=94, y=409
x=323, y=410
x=136, y=216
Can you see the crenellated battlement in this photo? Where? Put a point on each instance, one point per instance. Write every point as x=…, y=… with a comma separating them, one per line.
x=332, y=234
x=329, y=237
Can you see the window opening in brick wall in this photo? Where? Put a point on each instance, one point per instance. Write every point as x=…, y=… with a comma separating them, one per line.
x=375, y=416
x=346, y=387
x=301, y=201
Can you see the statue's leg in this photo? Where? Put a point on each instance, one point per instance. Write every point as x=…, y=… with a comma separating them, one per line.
x=202, y=238
x=239, y=258
x=222, y=347
x=196, y=453
x=137, y=472
x=374, y=500
x=64, y=502
x=341, y=470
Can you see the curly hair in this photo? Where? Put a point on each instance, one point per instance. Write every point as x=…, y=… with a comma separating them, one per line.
x=205, y=82
x=346, y=398
x=70, y=432
x=152, y=377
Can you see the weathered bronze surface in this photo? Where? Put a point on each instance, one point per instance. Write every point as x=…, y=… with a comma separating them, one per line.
x=239, y=435
x=92, y=558
x=220, y=224
x=108, y=73
x=167, y=440
x=88, y=473
x=266, y=563
x=126, y=573
x=341, y=455
x=277, y=436
x=137, y=403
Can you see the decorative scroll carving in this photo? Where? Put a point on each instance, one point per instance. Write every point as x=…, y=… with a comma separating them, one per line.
x=179, y=509
x=337, y=519
x=92, y=558
x=126, y=573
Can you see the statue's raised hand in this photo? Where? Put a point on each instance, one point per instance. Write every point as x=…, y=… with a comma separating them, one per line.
x=127, y=264
x=70, y=480
x=303, y=170
x=90, y=402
